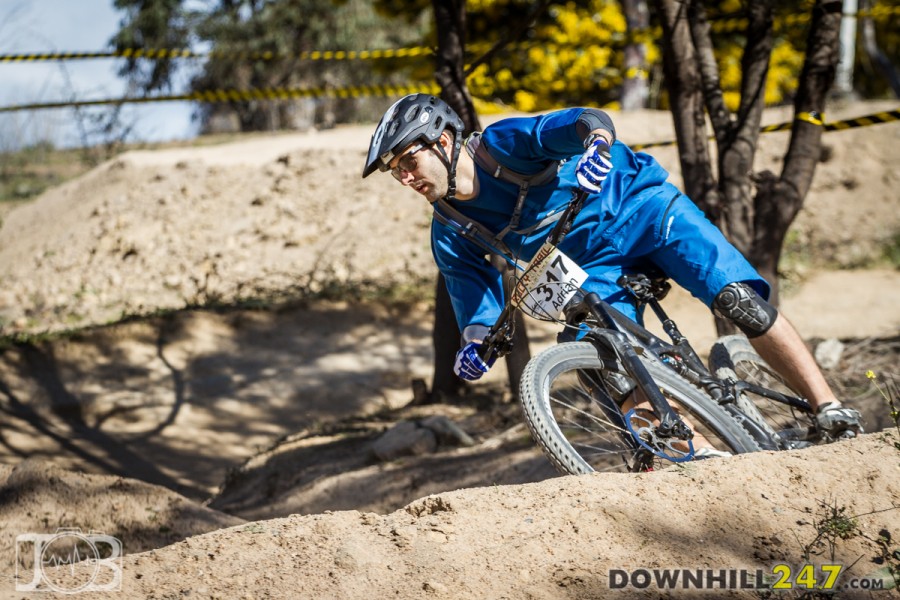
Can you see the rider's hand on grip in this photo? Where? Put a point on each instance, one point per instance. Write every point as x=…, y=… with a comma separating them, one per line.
x=469, y=364
x=593, y=166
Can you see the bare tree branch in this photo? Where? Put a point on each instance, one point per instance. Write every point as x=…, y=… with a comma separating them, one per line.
x=634, y=86
x=709, y=72
x=816, y=78
x=737, y=143
x=683, y=82
x=755, y=69
x=450, y=16
x=778, y=201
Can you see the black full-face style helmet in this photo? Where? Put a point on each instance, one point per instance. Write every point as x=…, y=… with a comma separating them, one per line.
x=417, y=117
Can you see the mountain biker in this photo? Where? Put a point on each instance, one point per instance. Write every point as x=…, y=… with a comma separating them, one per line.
x=515, y=178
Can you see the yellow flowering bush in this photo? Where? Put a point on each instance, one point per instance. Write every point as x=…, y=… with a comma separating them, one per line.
x=573, y=54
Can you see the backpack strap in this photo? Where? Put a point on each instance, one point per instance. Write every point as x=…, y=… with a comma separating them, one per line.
x=472, y=230
x=475, y=231
x=482, y=156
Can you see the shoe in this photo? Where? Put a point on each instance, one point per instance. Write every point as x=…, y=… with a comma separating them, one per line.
x=835, y=421
x=710, y=452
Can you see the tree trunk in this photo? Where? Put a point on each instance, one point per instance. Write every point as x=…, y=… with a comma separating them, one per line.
x=634, y=86
x=684, y=84
x=737, y=139
x=778, y=201
x=756, y=225
x=445, y=337
x=450, y=17
x=450, y=21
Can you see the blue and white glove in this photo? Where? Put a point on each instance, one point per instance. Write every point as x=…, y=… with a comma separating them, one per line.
x=469, y=365
x=594, y=165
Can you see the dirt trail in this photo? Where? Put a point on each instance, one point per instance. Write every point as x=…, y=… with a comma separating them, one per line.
x=196, y=401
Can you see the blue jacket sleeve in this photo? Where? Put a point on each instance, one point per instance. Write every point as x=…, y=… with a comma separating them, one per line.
x=527, y=144
x=475, y=286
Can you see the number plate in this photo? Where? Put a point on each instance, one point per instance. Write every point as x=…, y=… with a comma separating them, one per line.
x=549, y=281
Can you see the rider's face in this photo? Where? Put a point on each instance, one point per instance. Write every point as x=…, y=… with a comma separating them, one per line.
x=420, y=168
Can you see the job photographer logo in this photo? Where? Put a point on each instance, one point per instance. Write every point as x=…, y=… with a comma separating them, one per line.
x=68, y=562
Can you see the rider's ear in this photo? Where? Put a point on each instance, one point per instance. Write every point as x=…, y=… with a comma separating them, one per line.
x=446, y=140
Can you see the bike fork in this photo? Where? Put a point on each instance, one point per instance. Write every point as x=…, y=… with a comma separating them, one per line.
x=670, y=424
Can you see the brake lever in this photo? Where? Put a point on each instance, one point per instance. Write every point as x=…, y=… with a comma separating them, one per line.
x=495, y=346
x=498, y=342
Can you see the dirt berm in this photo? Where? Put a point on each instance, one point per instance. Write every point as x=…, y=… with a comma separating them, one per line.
x=561, y=538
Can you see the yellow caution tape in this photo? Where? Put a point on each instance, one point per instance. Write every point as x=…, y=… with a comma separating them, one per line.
x=234, y=95
x=864, y=121
x=168, y=53
x=811, y=117
x=246, y=95
x=723, y=25
x=808, y=117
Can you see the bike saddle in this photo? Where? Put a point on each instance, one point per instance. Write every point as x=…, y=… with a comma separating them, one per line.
x=645, y=288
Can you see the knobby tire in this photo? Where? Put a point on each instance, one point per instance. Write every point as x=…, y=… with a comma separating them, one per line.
x=562, y=392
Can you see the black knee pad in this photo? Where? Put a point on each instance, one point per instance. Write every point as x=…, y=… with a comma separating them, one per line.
x=745, y=308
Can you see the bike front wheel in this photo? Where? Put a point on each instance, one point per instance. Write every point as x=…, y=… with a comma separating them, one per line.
x=571, y=403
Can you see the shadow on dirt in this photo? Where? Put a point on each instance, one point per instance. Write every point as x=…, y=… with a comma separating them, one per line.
x=179, y=400
x=346, y=466
x=37, y=496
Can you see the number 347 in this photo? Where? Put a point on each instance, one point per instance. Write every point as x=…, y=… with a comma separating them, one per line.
x=805, y=577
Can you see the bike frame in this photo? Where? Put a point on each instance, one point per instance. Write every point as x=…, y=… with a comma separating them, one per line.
x=626, y=339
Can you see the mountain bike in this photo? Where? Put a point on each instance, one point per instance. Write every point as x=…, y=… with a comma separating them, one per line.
x=612, y=396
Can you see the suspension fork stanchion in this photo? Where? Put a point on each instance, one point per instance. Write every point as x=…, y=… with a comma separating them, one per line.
x=670, y=423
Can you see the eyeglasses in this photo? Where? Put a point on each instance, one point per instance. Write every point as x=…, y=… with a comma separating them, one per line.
x=407, y=163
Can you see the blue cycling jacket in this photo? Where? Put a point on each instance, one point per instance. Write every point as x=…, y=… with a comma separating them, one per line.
x=637, y=219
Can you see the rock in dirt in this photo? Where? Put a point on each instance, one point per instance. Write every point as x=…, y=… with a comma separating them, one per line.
x=828, y=353
x=447, y=431
x=404, y=439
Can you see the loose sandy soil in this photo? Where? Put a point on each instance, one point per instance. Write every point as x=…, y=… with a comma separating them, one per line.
x=265, y=415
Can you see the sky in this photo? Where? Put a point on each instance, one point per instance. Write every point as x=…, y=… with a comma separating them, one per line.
x=70, y=25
